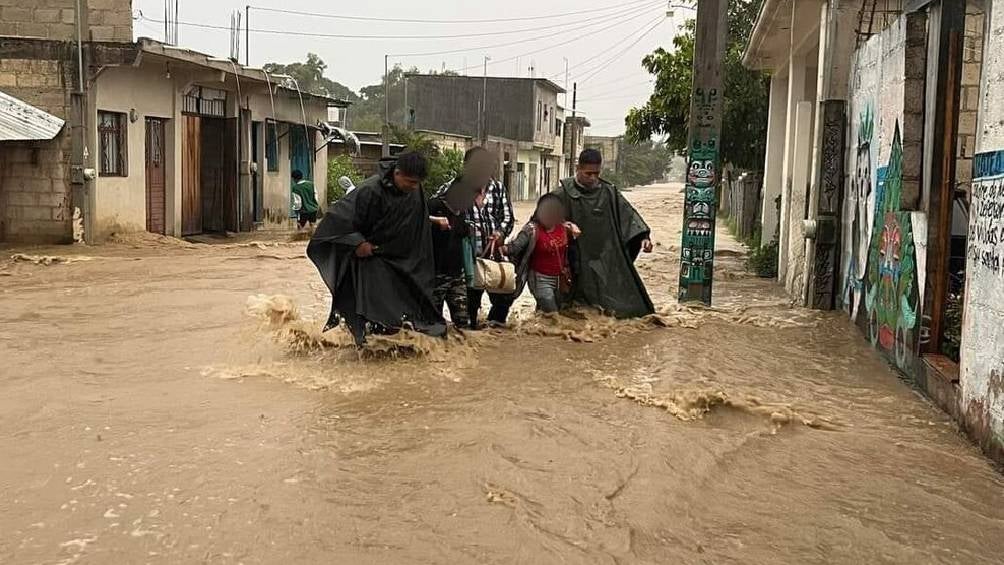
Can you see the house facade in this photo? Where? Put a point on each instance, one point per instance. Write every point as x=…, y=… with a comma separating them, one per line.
x=881, y=183
x=157, y=138
x=520, y=123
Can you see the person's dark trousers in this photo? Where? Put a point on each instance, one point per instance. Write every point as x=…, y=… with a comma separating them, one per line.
x=499, y=313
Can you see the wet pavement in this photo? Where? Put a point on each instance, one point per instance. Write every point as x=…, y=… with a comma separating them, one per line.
x=173, y=403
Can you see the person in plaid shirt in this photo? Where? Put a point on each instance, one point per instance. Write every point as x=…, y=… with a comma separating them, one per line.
x=491, y=219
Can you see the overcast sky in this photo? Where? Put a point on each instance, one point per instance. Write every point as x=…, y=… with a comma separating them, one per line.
x=601, y=33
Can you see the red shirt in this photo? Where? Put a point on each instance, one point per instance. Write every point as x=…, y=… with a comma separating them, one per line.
x=549, y=251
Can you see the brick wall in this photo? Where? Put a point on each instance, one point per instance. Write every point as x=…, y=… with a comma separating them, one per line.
x=107, y=20
x=34, y=176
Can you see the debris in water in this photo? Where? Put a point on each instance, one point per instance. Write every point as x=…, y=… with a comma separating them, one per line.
x=49, y=259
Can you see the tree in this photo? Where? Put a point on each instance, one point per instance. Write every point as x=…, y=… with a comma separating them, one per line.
x=368, y=113
x=640, y=164
x=745, y=105
x=310, y=77
x=444, y=164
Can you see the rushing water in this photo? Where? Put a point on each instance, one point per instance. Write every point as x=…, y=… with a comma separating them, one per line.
x=173, y=403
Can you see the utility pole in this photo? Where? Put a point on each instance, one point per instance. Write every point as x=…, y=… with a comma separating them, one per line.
x=697, y=251
x=572, y=129
x=566, y=81
x=385, y=133
x=247, y=36
x=484, y=105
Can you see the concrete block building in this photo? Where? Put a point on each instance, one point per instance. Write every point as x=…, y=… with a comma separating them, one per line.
x=882, y=183
x=155, y=138
x=521, y=122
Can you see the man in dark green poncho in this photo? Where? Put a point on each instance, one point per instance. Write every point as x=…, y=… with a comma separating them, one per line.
x=613, y=233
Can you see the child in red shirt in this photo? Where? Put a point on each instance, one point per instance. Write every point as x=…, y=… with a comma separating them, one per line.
x=541, y=252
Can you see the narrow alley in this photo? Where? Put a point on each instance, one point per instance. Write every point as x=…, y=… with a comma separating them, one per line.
x=170, y=402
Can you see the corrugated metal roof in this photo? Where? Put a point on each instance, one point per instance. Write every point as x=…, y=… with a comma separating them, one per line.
x=20, y=121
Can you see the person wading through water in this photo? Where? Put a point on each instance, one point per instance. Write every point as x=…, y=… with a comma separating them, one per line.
x=374, y=252
x=492, y=220
x=603, y=271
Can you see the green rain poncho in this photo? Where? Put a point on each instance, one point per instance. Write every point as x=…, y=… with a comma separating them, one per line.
x=604, y=275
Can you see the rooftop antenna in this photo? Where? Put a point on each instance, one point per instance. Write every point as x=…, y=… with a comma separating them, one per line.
x=171, y=22
x=236, y=17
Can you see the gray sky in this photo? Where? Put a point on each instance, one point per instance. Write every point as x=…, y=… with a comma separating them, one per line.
x=609, y=33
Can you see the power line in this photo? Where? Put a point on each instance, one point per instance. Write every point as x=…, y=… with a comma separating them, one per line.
x=549, y=47
x=601, y=54
x=621, y=53
x=389, y=36
x=620, y=19
x=474, y=21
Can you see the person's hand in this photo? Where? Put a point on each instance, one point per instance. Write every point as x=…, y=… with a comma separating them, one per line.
x=440, y=222
x=365, y=249
x=495, y=236
x=646, y=245
x=573, y=229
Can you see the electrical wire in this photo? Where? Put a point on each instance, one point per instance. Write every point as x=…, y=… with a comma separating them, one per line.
x=617, y=20
x=421, y=21
x=621, y=53
x=263, y=31
x=549, y=47
x=607, y=50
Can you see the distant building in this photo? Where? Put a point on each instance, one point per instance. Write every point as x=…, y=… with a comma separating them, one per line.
x=609, y=147
x=520, y=123
x=157, y=138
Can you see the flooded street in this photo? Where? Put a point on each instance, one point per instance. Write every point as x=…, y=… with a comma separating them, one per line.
x=165, y=402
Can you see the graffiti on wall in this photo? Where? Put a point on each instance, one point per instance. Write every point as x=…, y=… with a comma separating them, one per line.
x=697, y=250
x=986, y=214
x=860, y=195
x=892, y=295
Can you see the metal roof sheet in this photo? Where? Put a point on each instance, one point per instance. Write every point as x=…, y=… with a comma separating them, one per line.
x=20, y=121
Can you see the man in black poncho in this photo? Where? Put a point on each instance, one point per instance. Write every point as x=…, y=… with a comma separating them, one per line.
x=613, y=233
x=374, y=252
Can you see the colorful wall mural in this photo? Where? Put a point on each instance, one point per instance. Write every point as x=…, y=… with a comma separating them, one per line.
x=882, y=284
x=858, y=210
x=892, y=296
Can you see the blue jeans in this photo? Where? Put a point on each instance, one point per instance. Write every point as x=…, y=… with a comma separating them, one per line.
x=544, y=289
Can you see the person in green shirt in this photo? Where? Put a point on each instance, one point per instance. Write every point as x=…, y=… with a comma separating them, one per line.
x=308, y=199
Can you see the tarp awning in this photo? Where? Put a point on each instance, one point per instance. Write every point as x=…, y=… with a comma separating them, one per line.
x=20, y=121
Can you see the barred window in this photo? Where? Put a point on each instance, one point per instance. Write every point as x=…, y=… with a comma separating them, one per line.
x=112, y=144
x=271, y=147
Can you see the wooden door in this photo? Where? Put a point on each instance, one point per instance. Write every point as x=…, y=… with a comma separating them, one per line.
x=156, y=201
x=231, y=175
x=191, y=172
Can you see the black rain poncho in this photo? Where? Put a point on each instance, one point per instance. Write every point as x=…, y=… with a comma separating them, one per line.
x=394, y=286
x=603, y=268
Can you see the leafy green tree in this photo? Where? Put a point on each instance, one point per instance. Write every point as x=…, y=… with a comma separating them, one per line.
x=310, y=77
x=444, y=164
x=341, y=166
x=744, y=109
x=640, y=164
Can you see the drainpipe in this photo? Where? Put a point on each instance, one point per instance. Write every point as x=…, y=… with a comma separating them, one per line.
x=81, y=177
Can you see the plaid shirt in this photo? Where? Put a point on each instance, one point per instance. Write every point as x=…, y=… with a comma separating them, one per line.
x=495, y=216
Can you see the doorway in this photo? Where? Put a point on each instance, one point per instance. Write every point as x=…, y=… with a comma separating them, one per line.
x=209, y=175
x=156, y=199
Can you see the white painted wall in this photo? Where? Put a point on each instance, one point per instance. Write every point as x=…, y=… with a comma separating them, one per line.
x=121, y=201
x=774, y=174
x=982, y=364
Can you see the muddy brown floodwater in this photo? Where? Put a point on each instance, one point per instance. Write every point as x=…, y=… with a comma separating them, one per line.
x=174, y=403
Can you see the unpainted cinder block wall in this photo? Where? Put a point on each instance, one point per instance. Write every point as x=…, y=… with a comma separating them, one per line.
x=34, y=176
x=107, y=20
